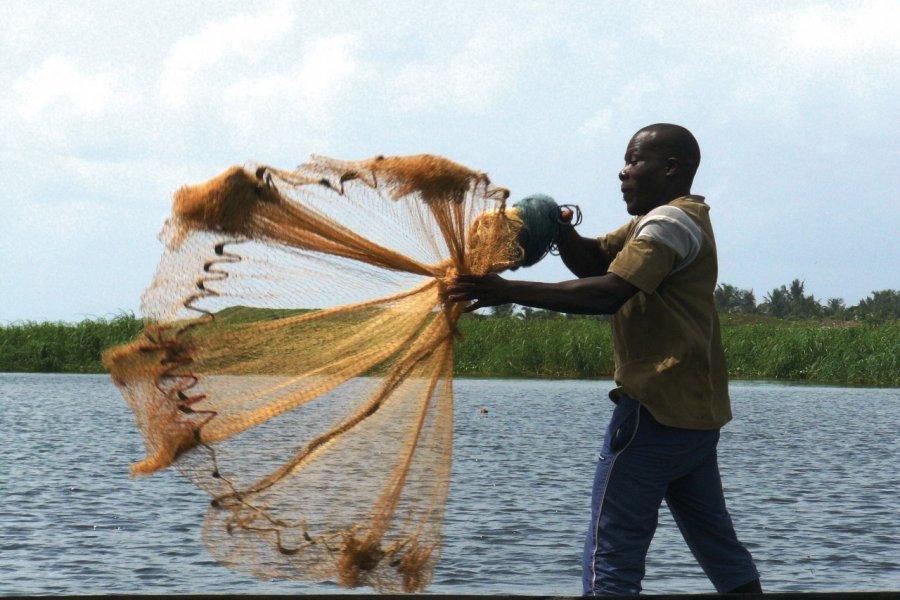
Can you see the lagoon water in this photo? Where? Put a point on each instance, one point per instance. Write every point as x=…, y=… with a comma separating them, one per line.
x=812, y=478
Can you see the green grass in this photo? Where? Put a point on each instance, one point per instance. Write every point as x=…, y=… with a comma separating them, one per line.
x=63, y=347
x=248, y=314
x=555, y=348
x=807, y=351
x=757, y=348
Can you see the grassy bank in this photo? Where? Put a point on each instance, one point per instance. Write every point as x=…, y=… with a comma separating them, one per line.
x=63, y=347
x=557, y=348
x=757, y=348
x=807, y=351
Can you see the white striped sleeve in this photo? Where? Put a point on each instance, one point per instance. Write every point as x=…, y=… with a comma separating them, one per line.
x=671, y=226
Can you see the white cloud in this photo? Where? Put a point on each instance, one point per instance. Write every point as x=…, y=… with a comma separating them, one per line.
x=309, y=89
x=242, y=37
x=59, y=83
x=625, y=106
x=842, y=33
x=798, y=56
x=599, y=124
x=19, y=22
x=110, y=135
x=54, y=224
x=128, y=182
x=471, y=80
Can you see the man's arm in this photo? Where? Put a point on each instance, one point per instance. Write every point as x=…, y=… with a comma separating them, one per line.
x=599, y=295
x=581, y=255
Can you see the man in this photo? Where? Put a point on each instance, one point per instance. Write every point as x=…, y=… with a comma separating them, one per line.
x=656, y=275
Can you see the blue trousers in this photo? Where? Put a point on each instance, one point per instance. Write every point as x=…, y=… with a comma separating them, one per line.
x=643, y=462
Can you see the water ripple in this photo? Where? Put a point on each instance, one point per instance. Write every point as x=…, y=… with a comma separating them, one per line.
x=811, y=476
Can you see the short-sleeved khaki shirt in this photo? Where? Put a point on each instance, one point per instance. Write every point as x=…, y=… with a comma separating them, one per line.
x=668, y=347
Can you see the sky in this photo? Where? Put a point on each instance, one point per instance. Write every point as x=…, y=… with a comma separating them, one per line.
x=106, y=108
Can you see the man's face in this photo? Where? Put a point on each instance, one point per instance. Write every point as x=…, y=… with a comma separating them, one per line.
x=644, y=175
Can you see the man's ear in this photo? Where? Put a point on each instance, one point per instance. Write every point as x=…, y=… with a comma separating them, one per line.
x=672, y=166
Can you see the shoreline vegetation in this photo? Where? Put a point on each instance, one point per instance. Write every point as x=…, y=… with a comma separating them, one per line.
x=759, y=348
x=543, y=345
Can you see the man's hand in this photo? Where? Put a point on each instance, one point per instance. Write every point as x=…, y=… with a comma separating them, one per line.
x=486, y=290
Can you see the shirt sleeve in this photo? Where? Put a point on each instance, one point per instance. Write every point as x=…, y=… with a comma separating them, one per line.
x=644, y=263
x=612, y=243
x=664, y=241
x=672, y=227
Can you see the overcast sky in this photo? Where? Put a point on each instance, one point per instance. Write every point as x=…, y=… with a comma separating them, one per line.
x=106, y=108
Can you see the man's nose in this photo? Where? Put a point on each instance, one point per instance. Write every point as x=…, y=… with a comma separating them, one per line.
x=623, y=173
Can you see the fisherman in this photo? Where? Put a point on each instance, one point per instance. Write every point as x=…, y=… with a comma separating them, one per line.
x=656, y=275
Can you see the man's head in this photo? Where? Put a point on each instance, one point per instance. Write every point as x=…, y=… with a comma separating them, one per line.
x=660, y=163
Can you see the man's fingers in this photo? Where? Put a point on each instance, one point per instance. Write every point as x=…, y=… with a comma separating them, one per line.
x=458, y=291
x=474, y=306
x=462, y=290
x=483, y=290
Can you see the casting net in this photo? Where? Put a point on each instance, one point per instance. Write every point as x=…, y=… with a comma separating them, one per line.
x=297, y=358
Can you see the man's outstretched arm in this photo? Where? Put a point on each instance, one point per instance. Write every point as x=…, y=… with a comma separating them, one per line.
x=600, y=295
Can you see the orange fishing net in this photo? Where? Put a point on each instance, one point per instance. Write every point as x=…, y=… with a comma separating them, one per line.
x=306, y=311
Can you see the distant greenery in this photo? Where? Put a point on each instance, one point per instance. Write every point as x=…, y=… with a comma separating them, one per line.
x=534, y=347
x=850, y=354
x=792, y=302
x=245, y=314
x=63, y=347
x=757, y=347
x=790, y=336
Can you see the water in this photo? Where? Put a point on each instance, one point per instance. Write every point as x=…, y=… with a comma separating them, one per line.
x=812, y=476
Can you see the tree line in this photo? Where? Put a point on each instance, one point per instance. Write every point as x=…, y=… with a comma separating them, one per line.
x=784, y=302
x=792, y=302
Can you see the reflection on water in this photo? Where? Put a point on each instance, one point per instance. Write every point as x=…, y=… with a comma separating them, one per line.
x=811, y=478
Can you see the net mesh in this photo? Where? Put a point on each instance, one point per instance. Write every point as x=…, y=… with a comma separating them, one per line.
x=297, y=359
